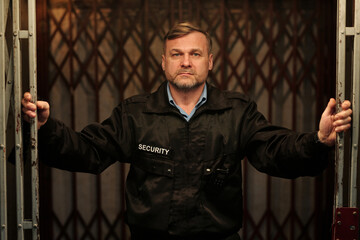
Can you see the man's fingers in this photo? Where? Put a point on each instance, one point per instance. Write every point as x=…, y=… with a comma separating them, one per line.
x=342, y=121
x=29, y=109
x=29, y=113
x=330, y=108
x=42, y=105
x=30, y=106
x=346, y=105
x=343, y=128
x=343, y=114
x=26, y=102
x=27, y=96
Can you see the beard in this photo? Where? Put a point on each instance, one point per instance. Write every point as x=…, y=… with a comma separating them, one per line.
x=185, y=83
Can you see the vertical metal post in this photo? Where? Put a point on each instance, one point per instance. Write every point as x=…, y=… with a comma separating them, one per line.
x=340, y=96
x=346, y=218
x=17, y=116
x=29, y=34
x=3, y=207
x=355, y=104
x=9, y=64
x=33, y=127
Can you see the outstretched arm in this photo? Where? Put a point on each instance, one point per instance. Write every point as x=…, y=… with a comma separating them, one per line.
x=332, y=122
x=91, y=151
x=29, y=109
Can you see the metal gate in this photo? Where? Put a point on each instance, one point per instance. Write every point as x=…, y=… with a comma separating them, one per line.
x=14, y=41
x=281, y=53
x=346, y=206
x=96, y=53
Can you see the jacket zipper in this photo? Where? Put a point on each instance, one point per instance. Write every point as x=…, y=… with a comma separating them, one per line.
x=188, y=133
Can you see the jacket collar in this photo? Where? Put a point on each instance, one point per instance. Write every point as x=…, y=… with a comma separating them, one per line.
x=158, y=101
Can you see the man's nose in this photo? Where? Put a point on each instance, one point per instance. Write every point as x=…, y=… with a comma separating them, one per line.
x=186, y=61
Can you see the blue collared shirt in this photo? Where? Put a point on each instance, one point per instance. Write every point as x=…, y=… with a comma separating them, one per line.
x=201, y=101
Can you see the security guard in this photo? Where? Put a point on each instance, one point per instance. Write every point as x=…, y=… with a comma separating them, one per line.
x=185, y=143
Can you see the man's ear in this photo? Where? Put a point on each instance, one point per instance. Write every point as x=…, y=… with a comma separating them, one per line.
x=211, y=61
x=163, y=62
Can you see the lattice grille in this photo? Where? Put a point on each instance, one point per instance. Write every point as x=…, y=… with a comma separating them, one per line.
x=104, y=51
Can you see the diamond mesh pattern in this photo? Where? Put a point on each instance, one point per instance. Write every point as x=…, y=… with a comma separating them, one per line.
x=275, y=51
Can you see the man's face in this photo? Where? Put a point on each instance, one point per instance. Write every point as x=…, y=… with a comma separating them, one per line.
x=186, y=61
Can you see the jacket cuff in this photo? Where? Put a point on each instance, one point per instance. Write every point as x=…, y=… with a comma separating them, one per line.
x=48, y=127
x=318, y=144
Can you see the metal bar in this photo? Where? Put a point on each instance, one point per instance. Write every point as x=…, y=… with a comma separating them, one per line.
x=33, y=124
x=355, y=105
x=6, y=77
x=340, y=95
x=349, y=31
x=27, y=224
x=17, y=115
x=23, y=34
x=10, y=82
x=8, y=62
x=3, y=202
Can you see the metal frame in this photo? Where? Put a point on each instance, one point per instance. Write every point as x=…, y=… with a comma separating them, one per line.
x=11, y=91
x=33, y=124
x=17, y=116
x=355, y=103
x=3, y=196
x=343, y=32
x=340, y=206
x=340, y=94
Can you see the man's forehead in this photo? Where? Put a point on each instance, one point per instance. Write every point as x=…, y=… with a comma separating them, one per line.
x=193, y=41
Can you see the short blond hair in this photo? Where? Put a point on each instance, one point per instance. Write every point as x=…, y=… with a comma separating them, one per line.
x=183, y=29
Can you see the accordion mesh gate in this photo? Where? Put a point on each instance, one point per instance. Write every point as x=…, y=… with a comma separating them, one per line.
x=11, y=76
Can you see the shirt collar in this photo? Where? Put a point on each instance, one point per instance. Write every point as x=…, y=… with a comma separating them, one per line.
x=158, y=102
x=201, y=101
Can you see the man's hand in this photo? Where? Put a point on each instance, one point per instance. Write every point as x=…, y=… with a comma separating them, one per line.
x=29, y=109
x=332, y=122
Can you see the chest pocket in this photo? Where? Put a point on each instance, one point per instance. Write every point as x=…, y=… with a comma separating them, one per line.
x=217, y=173
x=154, y=163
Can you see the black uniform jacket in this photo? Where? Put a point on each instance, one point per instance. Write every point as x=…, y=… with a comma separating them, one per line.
x=185, y=177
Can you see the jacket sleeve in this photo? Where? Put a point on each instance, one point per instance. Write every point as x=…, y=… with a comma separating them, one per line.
x=92, y=150
x=279, y=151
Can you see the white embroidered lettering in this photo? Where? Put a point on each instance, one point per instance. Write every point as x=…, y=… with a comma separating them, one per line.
x=148, y=148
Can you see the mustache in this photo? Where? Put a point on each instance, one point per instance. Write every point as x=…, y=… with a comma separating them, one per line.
x=190, y=71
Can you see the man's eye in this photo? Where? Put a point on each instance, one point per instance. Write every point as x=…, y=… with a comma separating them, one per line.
x=196, y=54
x=175, y=54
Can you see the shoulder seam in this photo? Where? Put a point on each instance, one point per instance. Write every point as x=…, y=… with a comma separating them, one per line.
x=236, y=95
x=137, y=99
